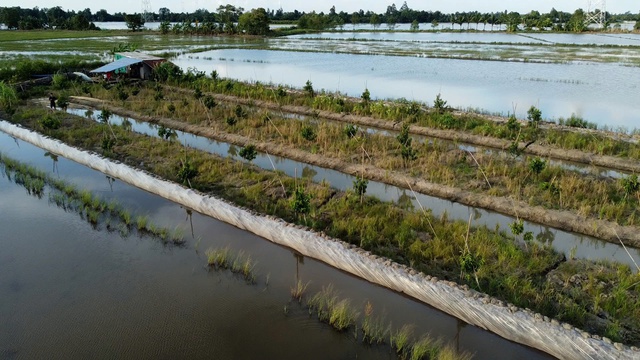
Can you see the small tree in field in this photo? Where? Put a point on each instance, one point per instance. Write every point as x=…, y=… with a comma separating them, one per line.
x=439, y=104
x=360, y=186
x=350, y=130
x=534, y=115
x=630, y=185
x=366, y=96
x=134, y=22
x=308, y=88
x=248, y=152
x=537, y=165
x=301, y=202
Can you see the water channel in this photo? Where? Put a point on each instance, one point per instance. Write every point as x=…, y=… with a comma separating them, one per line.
x=72, y=290
x=571, y=244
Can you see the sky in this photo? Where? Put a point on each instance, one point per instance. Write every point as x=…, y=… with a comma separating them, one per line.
x=379, y=6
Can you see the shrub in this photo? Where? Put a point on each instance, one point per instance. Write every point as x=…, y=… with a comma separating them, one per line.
x=301, y=202
x=167, y=71
x=104, y=115
x=439, y=104
x=350, y=130
x=248, y=152
x=577, y=122
x=187, y=171
x=360, y=186
x=231, y=121
x=366, y=96
x=517, y=227
x=403, y=138
x=50, y=122
x=534, y=115
x=512, y=124
x=448, y=121
x=59, y=81
x=630, y=184
x=167, y=133
x=8, y=97
x=408, y=153
x=63, y=101
x=209, y=102
x=240, y=112
x=537, y=165
x=308, y=88
x=108, y=143
x=308, y=133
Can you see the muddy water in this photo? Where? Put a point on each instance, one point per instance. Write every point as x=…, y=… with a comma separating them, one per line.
x=495, y=86
x=571, y=244
x=70, y=290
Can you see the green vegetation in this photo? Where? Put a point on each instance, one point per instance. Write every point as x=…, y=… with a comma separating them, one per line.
x=248, y=152
x=530, y=277
x=238, y=263
x=299, y=290
x=577, y=122
x=374, y=328
x=337, y=312
x=435, y=161
x=8, y=97
x=94, y=209
x=420, y=115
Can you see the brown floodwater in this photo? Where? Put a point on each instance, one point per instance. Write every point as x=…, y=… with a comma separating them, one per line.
x=73, y=290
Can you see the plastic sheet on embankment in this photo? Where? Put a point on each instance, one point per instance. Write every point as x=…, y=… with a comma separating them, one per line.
x=525, y=327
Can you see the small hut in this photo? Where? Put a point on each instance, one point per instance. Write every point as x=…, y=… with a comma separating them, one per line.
x=133, y=64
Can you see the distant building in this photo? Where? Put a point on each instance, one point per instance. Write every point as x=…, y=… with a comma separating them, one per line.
x=131, y=64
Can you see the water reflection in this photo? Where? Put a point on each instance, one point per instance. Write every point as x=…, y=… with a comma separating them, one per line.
x=109, y=290
x=489, y=85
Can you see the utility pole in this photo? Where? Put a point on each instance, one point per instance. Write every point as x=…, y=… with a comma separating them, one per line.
x=596, y=13
x=147, y=15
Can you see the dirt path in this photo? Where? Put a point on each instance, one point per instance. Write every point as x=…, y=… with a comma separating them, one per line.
x=565, y=220
x=606, y=161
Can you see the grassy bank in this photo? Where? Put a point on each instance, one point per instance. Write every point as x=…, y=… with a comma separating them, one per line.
x=527, y=179
x=526, y=274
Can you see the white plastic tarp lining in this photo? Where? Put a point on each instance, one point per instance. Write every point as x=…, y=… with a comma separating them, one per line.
x=562, y=341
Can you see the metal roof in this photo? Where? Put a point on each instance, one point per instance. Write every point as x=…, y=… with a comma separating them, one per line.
x=120, y=63
x=139, y=55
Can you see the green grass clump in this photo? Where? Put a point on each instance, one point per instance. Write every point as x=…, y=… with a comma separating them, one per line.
x=342, y=316
x=425, y=348
x=68, y=197
x=298, y=290
x=400, y=339
x=338, y=313
x=142, y=222
x=374, y=330
x=238, y=263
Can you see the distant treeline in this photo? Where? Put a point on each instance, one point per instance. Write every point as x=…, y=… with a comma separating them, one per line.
x=56, y=17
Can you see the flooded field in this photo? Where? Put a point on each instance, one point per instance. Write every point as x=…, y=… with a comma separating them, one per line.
x=90, y=290
x=79, y=290
x=600, y=93
x=494, y=72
